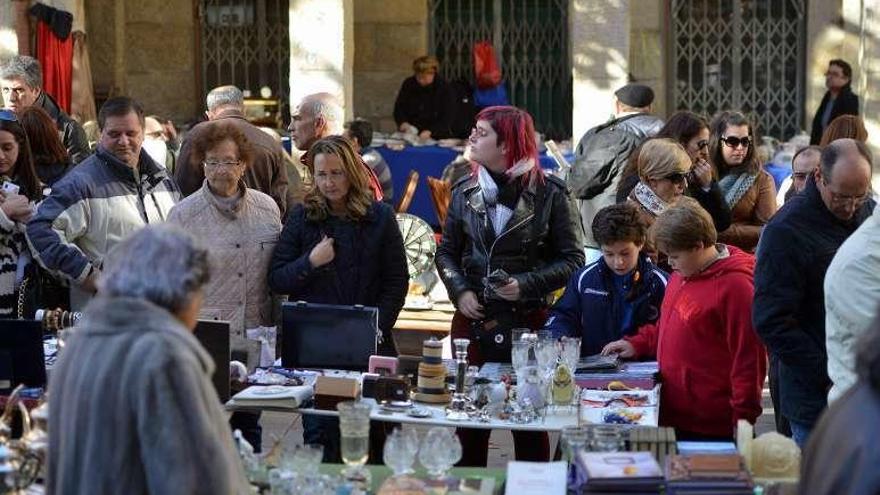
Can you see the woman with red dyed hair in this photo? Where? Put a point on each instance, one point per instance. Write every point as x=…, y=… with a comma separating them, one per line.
x=512, y=236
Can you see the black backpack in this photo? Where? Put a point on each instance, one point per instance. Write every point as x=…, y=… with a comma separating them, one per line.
x=601, y=156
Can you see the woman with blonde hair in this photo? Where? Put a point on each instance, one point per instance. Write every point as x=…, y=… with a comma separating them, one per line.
x=341, y=246
x=663, y=166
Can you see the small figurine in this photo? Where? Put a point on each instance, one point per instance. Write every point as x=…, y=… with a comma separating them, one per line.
x=562, y=391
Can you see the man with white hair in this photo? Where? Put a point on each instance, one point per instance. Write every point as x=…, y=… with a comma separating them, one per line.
x=317, y=116
x=21, y=82
x=266, y=174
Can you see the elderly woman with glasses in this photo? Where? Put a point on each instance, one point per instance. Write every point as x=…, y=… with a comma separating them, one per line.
x=748, y=190
x=240, y=227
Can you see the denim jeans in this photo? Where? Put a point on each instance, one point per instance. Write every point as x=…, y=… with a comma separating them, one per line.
x=800, y=433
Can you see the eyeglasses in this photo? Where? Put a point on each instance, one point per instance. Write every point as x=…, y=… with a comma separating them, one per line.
x=8, y=115
x=844, y=200
x=735, y=142
x=702, y=144
x=677, y=178
x=214, y=164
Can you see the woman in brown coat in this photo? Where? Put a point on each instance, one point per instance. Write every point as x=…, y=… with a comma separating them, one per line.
x=748, y=190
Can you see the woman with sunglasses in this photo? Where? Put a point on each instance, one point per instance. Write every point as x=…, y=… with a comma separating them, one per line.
x=663, y=166
x=19, y=190
x=692, y=132
x=748, y=190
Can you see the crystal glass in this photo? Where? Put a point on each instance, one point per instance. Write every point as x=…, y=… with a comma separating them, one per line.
x=606, y=438
x=546, y=355
x=354, y=429
x=440, y=450
x=519, y=355
x=400, y=451
x=303, y=459
x=573, y=439
x=570, y=351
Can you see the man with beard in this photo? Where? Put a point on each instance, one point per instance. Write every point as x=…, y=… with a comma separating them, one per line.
x=111, y=194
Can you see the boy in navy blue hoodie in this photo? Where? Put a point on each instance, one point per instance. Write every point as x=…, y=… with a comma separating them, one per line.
x=615, y=295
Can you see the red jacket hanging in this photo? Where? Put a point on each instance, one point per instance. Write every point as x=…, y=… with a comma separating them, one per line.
x=712, y=363
x=55, y=52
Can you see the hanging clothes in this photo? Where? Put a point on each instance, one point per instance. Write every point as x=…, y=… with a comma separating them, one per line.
x=55, y=51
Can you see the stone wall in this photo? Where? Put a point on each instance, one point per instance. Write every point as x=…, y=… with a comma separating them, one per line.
x=647, y=57
x=388, y=35
x=145, y=49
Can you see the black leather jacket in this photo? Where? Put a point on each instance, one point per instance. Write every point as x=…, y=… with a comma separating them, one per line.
x=470, y=251
x=72, y=134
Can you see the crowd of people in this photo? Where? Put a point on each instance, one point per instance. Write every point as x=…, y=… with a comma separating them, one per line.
x=665, y=237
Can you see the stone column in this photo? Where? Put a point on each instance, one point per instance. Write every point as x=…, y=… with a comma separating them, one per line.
x=600, y=48
x=322, y=49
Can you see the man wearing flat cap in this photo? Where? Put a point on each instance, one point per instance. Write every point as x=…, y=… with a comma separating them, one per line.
x=602, y=153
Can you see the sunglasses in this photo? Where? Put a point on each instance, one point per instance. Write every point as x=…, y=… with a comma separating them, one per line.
x=677, y=178
x=8, y=115
x=735, y=142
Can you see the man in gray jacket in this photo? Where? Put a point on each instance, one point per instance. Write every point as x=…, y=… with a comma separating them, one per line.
x=133, y=409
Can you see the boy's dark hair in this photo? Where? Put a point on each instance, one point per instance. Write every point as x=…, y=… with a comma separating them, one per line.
x=362, y=130
x=619, y=222
x=844, y=67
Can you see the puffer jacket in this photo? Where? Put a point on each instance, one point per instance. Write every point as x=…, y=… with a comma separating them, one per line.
x=92, y=208
x=470, y=251
x=749, y=215
x=72, y=134
x=240, y=243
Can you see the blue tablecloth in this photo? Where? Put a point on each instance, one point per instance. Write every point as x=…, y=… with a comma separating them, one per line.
x=429, y=161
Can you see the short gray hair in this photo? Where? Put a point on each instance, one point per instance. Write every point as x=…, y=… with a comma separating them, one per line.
x=162, y=264
x=225, y=95
x=326, y=106
x=23, y=67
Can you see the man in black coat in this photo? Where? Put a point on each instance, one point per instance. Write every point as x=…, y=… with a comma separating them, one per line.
x=21, y=82
x=838, y=100
x=796, y=247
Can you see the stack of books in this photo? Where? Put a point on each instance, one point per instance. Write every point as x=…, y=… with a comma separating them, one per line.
x=715, y=474
x=620, y=472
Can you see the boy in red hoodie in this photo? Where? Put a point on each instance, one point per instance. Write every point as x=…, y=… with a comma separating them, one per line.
x=712, y=362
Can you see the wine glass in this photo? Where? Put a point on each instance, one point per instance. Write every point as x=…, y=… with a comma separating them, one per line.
x=354, y=429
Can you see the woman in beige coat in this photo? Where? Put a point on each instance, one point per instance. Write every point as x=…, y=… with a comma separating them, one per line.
x=239, y=227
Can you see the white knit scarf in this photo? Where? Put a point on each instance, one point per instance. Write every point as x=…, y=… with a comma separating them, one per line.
x=499, y=214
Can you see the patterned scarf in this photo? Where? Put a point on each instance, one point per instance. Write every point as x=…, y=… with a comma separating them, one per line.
x=499, y=214
x=648, y=199
x=735, y=185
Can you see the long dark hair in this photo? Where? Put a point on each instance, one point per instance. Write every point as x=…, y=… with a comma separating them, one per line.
x=23, y=169
x=46, y=146
x=682, y=127
x=717, y=128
